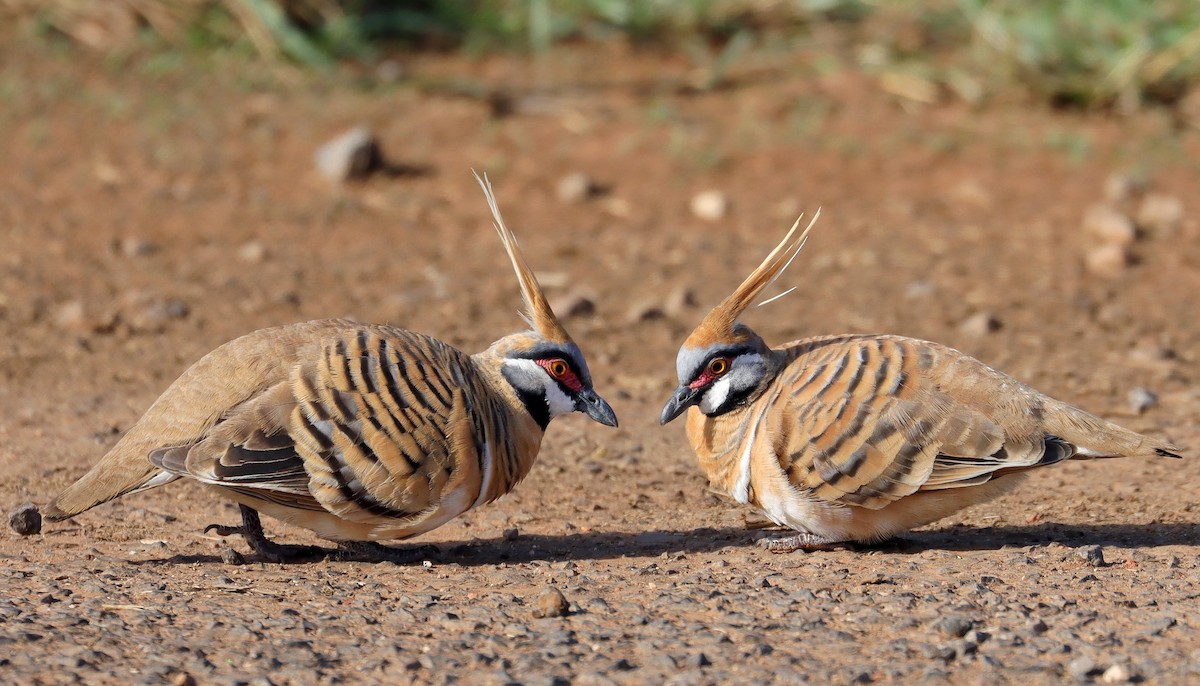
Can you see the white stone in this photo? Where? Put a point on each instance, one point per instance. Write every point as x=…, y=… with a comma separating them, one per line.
x=1108, y=261
x=710, y=205
x=350, y=155
x=1160, y=214
x=1109, y=225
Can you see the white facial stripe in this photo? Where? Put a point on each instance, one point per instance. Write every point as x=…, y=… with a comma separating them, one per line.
x=557, y=400
x=715, y=396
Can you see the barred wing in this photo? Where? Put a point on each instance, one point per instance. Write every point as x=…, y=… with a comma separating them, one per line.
x=866, y=421
x=375, y=425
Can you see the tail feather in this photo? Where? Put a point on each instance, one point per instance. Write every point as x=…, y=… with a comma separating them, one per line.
x=1096, y=437
x=112, y=477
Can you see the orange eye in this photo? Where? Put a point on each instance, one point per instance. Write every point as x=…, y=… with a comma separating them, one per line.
x=558, y=368
x=718, y=366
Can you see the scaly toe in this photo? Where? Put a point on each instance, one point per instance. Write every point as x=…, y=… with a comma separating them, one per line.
x=798, y=541
x=224, y=529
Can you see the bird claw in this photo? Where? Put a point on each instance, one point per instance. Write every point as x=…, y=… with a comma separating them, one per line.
x=798, y=541
x=224, y=530
x=268, y=550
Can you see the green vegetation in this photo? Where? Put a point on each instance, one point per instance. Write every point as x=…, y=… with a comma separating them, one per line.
x=1066, y=52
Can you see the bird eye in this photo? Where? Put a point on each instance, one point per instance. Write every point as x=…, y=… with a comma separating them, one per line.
x=718, y=366
x=557, y=368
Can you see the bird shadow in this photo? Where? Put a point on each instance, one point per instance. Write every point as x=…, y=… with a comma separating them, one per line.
x=969, y=538
x=595, y=545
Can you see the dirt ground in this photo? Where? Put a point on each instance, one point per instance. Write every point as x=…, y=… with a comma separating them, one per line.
x=152, y=208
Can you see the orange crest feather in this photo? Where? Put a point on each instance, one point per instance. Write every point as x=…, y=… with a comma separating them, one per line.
x=719, y=325
x=537, y=308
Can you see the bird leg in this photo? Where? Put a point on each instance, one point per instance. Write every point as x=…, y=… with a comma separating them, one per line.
x=251, y=530
x=798, y=541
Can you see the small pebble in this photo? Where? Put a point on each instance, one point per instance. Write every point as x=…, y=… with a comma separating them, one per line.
x=137, y=247
x=1121, y=187
x=231, y=557
x=1081, y=668
x=710, y=205
x=26, y=519
x=551, y=603
x=576, y=187
x=980, y=324
x=644, y=311
x=1160, y=214
x=1116, y=674
x=1109, y=226
x=574, y=305
x=955, y=625
x=679, y=301
x=351, y=155
x=72, y=316
x=253, y=252
x=976, y=637
x=511, y=534
x=1107, y=261
x=1091, y=554
x=1142, y=399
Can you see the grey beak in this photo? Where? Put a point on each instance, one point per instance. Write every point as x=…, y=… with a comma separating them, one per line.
x=591, y=404
x=685, y=397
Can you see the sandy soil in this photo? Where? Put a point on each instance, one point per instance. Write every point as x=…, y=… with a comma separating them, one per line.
x=151, y=209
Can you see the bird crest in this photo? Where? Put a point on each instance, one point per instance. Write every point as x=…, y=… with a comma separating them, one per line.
x=537, y=308
x=720, y=325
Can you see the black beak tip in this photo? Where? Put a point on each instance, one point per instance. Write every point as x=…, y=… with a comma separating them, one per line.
x=599, y=410
x=683, y=398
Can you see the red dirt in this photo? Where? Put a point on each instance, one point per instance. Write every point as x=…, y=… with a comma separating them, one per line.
x=133, y=187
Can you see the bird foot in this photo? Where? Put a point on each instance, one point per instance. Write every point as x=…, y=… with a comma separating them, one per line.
x=799, y=541
x=251, y=530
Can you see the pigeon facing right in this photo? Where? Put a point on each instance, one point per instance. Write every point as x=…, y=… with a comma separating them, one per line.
x=358, y=432
x=861, y=437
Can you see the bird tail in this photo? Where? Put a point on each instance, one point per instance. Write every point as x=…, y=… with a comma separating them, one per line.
x=112, y=477
x=1096, y=438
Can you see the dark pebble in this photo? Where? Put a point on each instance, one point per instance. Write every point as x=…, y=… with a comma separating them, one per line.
x=26, y=520
x=232, y=557
x=624, y=665
x=1092, y=554
x=955, y=625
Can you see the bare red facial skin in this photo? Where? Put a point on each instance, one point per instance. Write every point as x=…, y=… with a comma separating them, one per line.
x=569, y=379
x=702, y=380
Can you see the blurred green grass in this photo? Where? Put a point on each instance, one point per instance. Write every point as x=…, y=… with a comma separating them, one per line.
x=1087, y=53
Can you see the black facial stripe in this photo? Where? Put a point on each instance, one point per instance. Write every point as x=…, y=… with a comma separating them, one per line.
x=535, y=403
x=544, y=351
x=731, y=352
